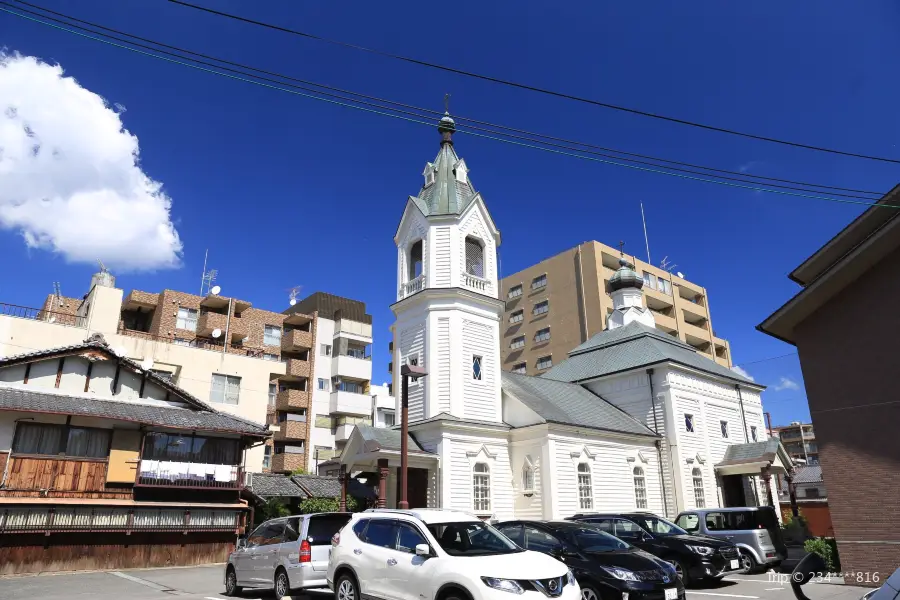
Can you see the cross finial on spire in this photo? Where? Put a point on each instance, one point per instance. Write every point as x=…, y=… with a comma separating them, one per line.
x=621, y=248
x=447, y=103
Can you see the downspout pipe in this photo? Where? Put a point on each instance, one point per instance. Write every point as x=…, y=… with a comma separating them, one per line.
x=737, y=388
x=658, y=444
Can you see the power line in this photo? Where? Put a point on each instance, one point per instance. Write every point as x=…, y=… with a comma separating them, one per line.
x=532, y=88
x=753, y=362
x=459, y=119
x=573, y=153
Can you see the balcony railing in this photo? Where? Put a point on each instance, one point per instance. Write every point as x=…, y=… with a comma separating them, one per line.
x=288, y=399
x=201, y=343
x=479, y=284
x=37, y=314
x=296, y=339
x=102, y=518
x=296, y=367
x=291, y=430
x=164, y=473
x=411, y=287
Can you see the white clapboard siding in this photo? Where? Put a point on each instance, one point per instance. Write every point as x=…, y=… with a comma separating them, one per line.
x=461, y=477
x=479, y=398
x=441, y=365
x=442, y=254
x=412, y=344
x=527, y=507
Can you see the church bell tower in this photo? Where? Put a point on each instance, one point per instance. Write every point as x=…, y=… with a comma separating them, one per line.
x=447, y=311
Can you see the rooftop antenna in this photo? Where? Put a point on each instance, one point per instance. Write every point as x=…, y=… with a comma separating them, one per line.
x=665, y=265
x=293, y=293
x=103, y=268
x=646, y=239
x=208, y=276
x=57, y=291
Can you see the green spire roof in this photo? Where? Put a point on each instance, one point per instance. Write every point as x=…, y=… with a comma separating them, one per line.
x=443, y=193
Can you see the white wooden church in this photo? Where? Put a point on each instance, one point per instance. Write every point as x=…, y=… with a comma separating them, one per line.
x=632, y=419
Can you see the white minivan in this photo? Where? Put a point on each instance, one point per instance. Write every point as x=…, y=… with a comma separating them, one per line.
x=440, y=555
x=284, y=554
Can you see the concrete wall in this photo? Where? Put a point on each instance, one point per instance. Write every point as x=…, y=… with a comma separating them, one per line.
x=848, y=356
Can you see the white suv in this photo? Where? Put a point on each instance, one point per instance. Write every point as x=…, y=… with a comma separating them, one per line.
x=439, y=555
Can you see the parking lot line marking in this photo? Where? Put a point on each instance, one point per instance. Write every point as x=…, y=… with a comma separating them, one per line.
x=722, y=595
x=150, y=584
x=773, y=589
x=748, y=580
x=213, y=598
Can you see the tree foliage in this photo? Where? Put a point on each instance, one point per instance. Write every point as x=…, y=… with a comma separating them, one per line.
x=272, y=509
x=827, y=549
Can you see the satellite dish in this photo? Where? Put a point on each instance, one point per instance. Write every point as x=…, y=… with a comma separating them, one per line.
x=215, y=290
x=52, y=319
x=293, y=301
x=147, y=364
x=216, y=333
x=245, y=339
x=680, y=274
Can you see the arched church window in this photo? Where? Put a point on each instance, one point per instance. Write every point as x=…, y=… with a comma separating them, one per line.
x=699, y=498
x=481, y=487
x=415, y=260
x=640, y=488
x=527, y=478
x=585, y=487
x=474, y=257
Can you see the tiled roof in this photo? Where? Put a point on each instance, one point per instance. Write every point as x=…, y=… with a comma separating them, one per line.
x=318, y=486
x=98, y=343
x=630, y=347
x=136, y=411
x=570, y=404
x=803, y=475
x=266, y=485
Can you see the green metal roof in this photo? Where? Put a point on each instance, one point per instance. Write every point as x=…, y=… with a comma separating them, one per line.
x=446, y=195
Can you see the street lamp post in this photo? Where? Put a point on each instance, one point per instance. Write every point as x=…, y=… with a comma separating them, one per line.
x=407, y=372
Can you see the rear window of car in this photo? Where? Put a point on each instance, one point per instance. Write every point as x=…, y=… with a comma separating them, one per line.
x=323, y=527
x=740, y=520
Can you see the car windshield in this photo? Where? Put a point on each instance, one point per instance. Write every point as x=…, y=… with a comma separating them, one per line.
x=593, y=539
x=658, y=526
x=471, y=539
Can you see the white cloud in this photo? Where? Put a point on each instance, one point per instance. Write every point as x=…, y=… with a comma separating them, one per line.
x=786, y=383
x=70, y=179
x=747, y=166
x=740, y=371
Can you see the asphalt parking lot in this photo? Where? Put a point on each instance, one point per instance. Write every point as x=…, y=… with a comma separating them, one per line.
x=205, y=583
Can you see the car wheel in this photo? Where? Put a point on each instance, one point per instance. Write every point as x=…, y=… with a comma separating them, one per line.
x=231, y=586
x=345, y=589
x=682, y=571
x=589, y=593
x=748, y=563
x=282, y=584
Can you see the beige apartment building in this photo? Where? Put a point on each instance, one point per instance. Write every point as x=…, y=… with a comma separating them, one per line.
x=256, y=364
x=799, y=439
x=562, y=301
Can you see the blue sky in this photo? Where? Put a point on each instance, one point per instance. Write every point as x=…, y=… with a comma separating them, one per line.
x=265, y=179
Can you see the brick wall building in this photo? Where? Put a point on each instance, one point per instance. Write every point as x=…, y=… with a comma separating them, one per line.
x=845, y=327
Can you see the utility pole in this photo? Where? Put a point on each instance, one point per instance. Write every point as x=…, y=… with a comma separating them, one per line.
x=407, y=372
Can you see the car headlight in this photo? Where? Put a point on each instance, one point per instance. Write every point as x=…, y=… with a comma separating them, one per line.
x=571, y=578
x=618, y=573
x=701, y=550
x=506, y=585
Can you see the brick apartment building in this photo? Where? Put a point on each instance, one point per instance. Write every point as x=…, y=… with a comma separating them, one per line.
x=562, y=301
x=799, y=439
x=254, y=363
x=845, y=327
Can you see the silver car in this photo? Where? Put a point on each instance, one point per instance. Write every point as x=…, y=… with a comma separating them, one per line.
x=754, y=529
x=284, y=554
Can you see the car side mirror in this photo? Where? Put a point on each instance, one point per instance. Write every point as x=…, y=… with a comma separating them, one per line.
x=423, y=550
x=241, y=543
x=646, y=537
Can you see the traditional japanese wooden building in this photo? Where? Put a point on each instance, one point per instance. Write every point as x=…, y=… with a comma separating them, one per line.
x=106, y=464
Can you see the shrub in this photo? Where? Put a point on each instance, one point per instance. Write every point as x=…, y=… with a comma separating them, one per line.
x=317, y=505
x=272, y=509
x=827, y=549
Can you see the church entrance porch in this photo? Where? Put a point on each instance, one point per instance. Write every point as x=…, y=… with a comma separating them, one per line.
x=744, y=464
x=372, y=455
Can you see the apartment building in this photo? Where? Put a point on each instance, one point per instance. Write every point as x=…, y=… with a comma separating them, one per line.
x=559, y=303
x=243, y=360
x=799, y=439
x=342, y=392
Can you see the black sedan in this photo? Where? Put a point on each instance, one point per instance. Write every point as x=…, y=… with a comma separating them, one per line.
x=606, y=568
x=694, y=556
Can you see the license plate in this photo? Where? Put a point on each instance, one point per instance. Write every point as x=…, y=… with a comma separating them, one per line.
x=671, y=593
x=735, y=564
